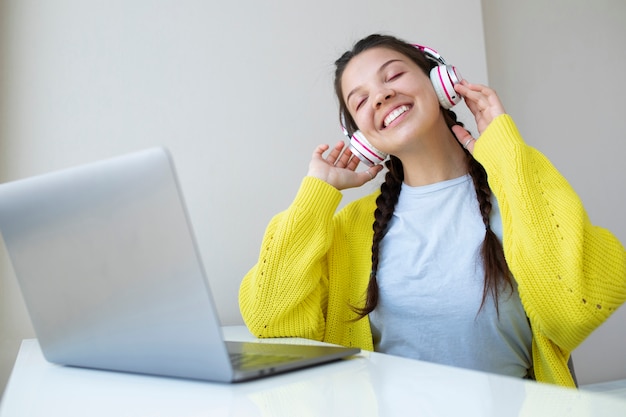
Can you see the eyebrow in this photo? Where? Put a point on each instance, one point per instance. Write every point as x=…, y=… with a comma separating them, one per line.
x=381, y=69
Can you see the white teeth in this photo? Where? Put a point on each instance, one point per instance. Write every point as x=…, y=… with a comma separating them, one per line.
x=394, y=115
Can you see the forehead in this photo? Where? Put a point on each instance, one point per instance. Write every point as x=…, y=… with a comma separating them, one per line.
x=366, y=65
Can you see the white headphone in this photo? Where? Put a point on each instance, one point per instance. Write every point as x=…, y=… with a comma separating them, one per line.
x=443, y=78
x=360, y=147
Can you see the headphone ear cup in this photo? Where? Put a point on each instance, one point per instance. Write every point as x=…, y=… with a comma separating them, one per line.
x=443, y=78
x=364, y=150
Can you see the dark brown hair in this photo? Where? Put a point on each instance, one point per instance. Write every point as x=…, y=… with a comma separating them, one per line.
x=497, y=272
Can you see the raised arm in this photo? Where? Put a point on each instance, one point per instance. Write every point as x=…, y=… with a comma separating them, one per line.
x=571, y=273
x=285, y=294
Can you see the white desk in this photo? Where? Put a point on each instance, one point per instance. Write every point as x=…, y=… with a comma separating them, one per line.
x=370, y=384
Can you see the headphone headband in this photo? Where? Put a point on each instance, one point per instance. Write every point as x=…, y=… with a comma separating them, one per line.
x=431, y=54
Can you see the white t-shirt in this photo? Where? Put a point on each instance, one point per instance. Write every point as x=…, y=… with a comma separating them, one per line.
x=431, y=282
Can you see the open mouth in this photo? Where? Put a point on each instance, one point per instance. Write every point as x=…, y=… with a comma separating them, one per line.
x=395, y=114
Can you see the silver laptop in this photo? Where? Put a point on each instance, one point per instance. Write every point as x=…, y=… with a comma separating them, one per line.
x=110, y=272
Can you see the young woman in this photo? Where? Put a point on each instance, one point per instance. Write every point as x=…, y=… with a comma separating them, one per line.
x=474, y=253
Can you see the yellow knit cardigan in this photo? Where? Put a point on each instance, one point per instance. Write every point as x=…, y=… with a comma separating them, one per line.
x=315, y=263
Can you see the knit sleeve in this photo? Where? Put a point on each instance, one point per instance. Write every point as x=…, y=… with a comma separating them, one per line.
x=571, y=274
x=285, y=293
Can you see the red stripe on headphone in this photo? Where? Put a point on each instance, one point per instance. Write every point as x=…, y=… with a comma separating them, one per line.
x=445, y=90
x=368, y=150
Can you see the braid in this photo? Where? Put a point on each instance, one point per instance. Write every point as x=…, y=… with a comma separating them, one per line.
x=496, y=269
x=385, y=205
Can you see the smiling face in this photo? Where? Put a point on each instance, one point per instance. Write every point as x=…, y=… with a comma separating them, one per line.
x=390, y=98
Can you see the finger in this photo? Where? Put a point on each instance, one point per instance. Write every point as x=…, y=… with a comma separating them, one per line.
x=482, y=94
x=344, y=160
x=372, y=172
x=470, y=98
x=461, y=133
x=484, y=105
x=335, y=152
x=463, y=136
x=475, y=91
x=354, y=162
x=480, y=88
x=319, y=150
x=472, y=94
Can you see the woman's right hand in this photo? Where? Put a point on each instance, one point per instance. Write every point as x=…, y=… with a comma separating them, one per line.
x=338, y=168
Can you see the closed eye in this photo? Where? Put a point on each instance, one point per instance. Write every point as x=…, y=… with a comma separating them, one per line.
x=395, y=76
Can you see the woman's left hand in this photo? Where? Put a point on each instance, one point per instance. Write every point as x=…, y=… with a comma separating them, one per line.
x=484, y=104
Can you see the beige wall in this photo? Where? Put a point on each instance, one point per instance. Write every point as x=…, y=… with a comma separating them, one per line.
x=249, y=83
x=558, y=66
x=240, y=92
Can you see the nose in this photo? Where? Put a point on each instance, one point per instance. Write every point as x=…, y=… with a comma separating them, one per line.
x=383, y=96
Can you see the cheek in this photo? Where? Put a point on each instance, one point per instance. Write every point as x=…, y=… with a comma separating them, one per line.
x=430, y=95
x=364, y=120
